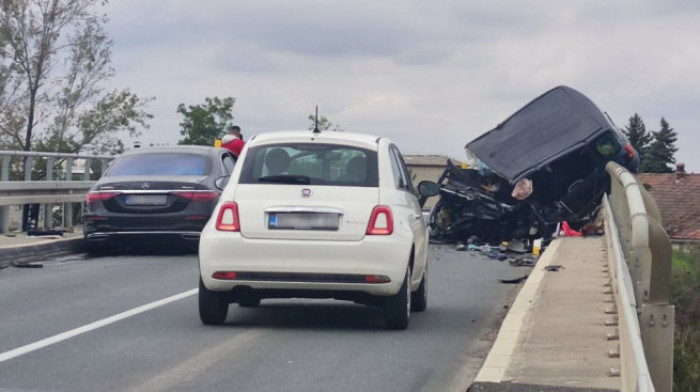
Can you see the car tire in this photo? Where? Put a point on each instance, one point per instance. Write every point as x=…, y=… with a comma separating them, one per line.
x=249, y=302
x=419, y=298
x=397, y=308
x=213, y=306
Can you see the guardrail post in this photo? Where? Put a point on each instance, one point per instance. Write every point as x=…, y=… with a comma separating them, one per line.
x=86, y=173
x=48, y=208
x=5, y=210
x=68, y=207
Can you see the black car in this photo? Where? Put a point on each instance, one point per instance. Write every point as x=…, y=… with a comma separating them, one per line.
x=158, y=193
x=543, y=165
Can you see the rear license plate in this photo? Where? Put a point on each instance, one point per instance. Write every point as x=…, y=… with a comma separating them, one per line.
x=303, y=221
x=146, y=200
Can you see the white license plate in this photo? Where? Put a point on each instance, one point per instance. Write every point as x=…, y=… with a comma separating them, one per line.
x=303, y=221
x=146, y=200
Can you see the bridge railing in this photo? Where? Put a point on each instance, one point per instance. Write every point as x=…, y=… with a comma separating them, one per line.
x=58, y=183
x=639, y=257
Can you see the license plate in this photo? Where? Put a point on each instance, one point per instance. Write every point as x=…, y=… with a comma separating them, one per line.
x=146, y=200
x=303, y=221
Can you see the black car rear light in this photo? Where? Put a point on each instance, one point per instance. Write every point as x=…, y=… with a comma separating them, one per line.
x=92, y=197
x=200, y=196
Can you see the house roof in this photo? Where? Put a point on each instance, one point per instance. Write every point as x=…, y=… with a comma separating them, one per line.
x=678, y=198
x=428, y=160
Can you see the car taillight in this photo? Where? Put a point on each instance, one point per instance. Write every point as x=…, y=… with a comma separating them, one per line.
x=630, y=150
x=227, y=220
x=200, y=196
x=224, y=275
x=381, y=222
x=92, y=197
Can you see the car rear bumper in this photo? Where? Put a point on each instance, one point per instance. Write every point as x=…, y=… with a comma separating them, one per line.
x=125, y=235
x=296, y=267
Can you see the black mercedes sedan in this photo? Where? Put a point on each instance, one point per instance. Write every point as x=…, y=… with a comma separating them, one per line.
x=155, y=195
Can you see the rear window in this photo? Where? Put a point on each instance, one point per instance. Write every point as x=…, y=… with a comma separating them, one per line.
x=310, y=163
x=164, y=164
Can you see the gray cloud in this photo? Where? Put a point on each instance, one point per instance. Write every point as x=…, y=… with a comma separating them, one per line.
x=431, y=75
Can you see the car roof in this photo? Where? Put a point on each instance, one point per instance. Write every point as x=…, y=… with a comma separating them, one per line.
x=186, y=149
x=550, y=126
x=356, y=139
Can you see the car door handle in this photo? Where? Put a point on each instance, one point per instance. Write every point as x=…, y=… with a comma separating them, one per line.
x=418, y=216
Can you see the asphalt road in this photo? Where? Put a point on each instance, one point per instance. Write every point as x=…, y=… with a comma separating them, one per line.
x=49, y=340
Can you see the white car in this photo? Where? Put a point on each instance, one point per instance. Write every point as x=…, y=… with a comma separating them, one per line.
x=316, y=215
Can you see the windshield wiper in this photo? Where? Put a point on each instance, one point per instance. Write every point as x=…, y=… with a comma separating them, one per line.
x=286, y=179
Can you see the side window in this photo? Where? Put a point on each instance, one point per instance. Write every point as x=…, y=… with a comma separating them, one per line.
x=404, y=170
x=399, y=168
x=228, y=162
x=396, y=170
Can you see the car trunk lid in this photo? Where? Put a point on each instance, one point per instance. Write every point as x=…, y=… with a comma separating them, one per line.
x=305, y=212
x=155, y=194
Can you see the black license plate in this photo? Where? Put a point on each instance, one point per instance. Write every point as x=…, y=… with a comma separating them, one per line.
x=146, y=200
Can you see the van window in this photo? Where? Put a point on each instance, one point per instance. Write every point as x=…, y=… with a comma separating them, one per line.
x=310, y=163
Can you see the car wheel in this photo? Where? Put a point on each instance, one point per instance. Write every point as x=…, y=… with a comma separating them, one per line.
x=249, y=302
x=213, y=306
x=419, y=299
x=397, y=308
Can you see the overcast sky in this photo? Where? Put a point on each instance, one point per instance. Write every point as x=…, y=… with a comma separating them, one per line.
x=431, y=75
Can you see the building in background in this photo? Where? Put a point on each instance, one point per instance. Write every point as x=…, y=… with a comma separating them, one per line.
x=427, y=167
x=678, y=198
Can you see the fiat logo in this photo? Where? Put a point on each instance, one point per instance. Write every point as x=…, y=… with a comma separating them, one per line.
x=306, y=192
x=145, y=185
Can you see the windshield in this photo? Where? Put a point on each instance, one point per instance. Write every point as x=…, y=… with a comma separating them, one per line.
x=163, y=164
x=310, y=163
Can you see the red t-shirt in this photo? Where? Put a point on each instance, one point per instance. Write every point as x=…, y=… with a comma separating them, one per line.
x=235, y=146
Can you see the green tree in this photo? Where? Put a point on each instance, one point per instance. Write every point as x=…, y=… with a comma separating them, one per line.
x=638, y=136
x=203, y=124
x=54, y=57
x=661, y=151
x=323, y=124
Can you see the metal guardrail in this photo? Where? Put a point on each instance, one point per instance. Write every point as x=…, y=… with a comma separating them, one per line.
x=639, y=254
x=49, y=190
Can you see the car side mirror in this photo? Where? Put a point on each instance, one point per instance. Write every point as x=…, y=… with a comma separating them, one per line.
x=221, y=182
x=427, y=189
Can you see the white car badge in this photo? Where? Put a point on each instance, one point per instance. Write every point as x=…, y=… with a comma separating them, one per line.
x=145, y=185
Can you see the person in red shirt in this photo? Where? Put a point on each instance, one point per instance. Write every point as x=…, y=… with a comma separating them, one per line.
x=234, y=140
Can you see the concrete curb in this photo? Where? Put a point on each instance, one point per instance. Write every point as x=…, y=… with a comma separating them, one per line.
x=515, y=387
x=29, y=253
x=498, y=359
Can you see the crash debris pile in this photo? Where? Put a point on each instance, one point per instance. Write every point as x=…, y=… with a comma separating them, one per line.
x=541, y=167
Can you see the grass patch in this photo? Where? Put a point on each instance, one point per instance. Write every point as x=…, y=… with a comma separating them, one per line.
x=685, y=287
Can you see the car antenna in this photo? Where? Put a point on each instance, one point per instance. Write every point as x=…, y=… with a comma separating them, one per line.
x=316, y=130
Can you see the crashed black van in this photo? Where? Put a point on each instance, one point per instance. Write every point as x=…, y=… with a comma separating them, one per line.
x=542, y=165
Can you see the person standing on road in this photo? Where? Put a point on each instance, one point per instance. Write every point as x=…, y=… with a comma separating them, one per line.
x=233, y=141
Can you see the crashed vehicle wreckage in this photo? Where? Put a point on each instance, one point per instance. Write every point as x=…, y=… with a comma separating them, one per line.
x=543, y=165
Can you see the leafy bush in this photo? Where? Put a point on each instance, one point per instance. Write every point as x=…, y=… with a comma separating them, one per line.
x=686, y=298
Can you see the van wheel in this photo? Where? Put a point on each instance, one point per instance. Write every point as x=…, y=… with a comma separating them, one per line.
x=213, y=306
x=419, y=299
x=397, y=308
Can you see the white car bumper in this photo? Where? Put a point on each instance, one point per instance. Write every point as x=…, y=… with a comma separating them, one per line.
x=339, y=266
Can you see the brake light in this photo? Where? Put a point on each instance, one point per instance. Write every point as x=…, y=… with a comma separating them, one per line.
x=381, y=222
x=228, y=218
x=224, y=275
x=92, y=197
x=377, y=279
x=200, y=196
x=630, y=150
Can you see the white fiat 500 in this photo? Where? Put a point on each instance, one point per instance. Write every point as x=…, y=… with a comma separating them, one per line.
x=316, y=215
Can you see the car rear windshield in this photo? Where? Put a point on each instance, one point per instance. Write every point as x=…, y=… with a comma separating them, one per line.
x=161, y=164
x=310, y=163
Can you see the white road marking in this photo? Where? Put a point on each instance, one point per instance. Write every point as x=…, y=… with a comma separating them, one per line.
x=14, y=353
